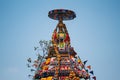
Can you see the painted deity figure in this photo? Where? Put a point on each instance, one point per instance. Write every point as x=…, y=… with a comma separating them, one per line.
x=61, y=37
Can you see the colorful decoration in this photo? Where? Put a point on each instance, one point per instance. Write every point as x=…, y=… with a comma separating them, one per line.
x=65, y=14
x=59, y=60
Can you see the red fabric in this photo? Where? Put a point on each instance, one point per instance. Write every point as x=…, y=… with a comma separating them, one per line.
x=89, y=67
x=94, y=77
x=67, y=37
x=55, y=35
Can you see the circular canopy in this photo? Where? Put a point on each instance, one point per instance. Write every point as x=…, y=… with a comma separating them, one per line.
x=63, y=14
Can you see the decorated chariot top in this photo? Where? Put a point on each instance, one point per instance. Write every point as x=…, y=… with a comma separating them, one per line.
x=59, y=60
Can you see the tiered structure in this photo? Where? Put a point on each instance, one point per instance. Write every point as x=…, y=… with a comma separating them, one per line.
x=60, y=61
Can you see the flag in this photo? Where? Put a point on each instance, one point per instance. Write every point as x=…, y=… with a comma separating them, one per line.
x=94, y=77
x=91, y=72
x=36, y=61
x=29, y=60
x=35, y=65
x=35, y=48
x=79, y=57
x=85, y=62
x=89, y=67
x=87, y=71
x=32, y=70
x=28, y=66
x=29, y=75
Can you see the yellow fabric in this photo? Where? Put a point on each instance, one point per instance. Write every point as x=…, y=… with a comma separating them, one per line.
x=47, y=61
x=43, y=79
x=45, y=67
x=49, y=78
x=79, y=61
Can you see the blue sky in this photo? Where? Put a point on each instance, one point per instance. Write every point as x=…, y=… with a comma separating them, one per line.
x=95, y=34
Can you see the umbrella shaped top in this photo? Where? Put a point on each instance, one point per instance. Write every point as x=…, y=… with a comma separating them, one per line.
x=63, y=14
